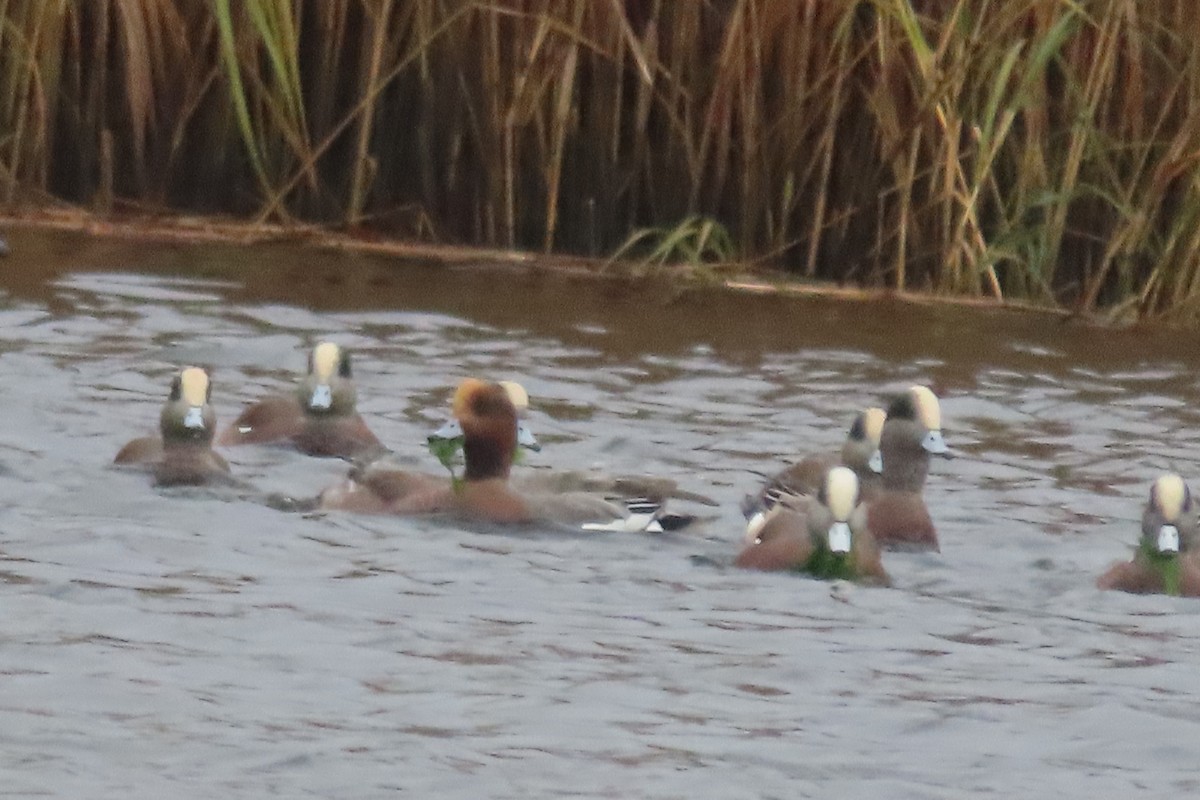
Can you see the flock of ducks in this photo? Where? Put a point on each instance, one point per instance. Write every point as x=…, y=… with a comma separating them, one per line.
x=830, y=516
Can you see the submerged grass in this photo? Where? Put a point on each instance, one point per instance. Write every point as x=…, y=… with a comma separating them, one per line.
x=1038, y=149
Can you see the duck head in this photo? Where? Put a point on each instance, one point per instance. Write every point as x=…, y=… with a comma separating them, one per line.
x=861, y=450
x=910, y=435
x=488, y=418
x=187, y=415
x=833, y=520
x=928, y=412
x=1169, y=521
x=328, y=388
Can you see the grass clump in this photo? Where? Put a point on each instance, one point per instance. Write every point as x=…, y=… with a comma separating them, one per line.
x=697, y=242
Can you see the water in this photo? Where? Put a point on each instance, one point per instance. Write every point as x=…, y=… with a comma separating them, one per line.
x=201, y=644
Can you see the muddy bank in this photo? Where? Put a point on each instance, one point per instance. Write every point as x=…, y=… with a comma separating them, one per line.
x=745, y=278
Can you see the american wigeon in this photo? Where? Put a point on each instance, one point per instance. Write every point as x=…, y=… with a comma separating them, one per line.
x=182, y=454
x=1167, y=559
x=488, y=420
x=860, y=452
x=911, y=434
x=828, y=537
x=319, y=419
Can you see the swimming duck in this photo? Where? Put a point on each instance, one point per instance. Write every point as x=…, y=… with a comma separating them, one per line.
x=911, y=434
x=446, y=444
x=829, y=537
x=487, y=417
x=1167, y=559
x=380, y=482
x=182, y=454
x=320, y=419
x=860, y=452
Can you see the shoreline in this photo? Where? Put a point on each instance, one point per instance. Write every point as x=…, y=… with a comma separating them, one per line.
x=199, y=230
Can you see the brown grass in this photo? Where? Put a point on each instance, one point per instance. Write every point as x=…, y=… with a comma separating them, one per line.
x=1036, y=149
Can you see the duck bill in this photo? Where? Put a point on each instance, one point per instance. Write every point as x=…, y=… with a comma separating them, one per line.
x=322, y=397
x=839, y=538
x=934, y=444
x=193, y=419
x=526, y=439
x=448, y=432
x=875, y=462
x=1168, y=540
x=445, y=443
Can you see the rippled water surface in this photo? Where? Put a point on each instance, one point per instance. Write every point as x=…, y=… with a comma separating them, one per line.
x=202, y=644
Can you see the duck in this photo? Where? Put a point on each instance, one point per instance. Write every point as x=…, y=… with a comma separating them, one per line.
x=381, y=481
x=446, y=444
x=488, y=419
x=860, y=452
x=319, y=419
x=182, y=454
x=1167, y=559
x=828, y=537
x=911, y=435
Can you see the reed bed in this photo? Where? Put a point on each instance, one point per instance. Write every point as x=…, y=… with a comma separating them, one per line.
x=1037, y=149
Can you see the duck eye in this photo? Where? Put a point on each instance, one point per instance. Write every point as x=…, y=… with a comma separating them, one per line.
x=344, y=365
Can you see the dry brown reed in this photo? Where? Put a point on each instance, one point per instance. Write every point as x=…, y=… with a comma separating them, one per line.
x=1041, y=149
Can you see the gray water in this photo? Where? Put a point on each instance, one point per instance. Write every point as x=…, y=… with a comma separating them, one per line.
x=199, y=644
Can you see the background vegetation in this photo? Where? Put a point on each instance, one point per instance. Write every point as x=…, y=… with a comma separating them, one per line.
x=1044, y=149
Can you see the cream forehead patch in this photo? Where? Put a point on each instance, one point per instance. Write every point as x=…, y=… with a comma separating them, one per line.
x=841, y=492
x=873, y=419
x=325, y=359
x=517, y=394
x=1171, y=494
x=462, y=395
x=193, y=386
x=929, y=411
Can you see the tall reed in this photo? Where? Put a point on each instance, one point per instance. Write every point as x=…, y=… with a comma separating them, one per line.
x=1042, y=149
